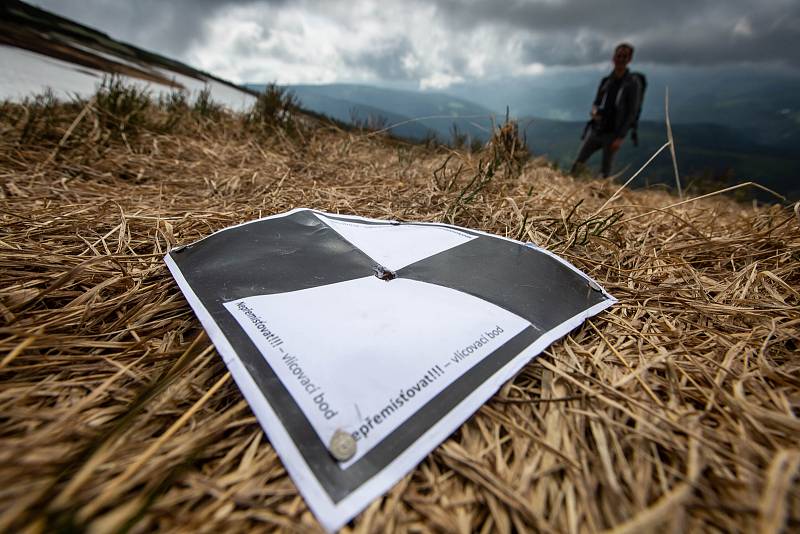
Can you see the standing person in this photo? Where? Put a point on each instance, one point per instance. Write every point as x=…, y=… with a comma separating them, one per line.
x=614, y=111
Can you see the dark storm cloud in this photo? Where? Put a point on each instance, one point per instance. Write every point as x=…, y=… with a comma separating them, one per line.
x=252, y=45
x=577, y=32
x=759, y=37
x=553, y=15
x=385, y=60
x=166, y=27
x=498, y=36
x=563, y=49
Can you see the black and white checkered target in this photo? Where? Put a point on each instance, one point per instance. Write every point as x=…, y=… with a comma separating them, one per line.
x=385, y=335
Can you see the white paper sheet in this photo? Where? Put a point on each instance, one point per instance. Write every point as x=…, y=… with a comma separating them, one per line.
x=395, y=247
x=318, y=343
x=363, y=355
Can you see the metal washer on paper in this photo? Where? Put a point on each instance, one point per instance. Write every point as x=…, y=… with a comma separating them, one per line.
x=343, y=446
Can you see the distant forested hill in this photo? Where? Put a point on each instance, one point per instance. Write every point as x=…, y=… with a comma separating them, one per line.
x=418, y=114
x=763, y=100
x=705, y=152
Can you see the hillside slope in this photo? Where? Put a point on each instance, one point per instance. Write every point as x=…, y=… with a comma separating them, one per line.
x=705, y=152
x=675, y=409
x=419, y=114
x=39, y=50
x=710, y=155
x=761, y=100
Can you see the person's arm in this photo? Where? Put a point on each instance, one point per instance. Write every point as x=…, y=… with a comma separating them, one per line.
x=633, y=96
x=598, y=98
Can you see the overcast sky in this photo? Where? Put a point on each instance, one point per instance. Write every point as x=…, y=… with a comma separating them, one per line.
x=434, y=43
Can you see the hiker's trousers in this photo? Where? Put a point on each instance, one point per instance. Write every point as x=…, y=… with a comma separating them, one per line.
x=596, y=141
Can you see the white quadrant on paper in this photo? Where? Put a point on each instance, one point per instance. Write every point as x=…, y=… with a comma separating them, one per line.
x=395, y=246
x=364, y=355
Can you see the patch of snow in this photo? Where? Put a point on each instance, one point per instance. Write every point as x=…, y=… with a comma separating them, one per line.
x=27, y=73
x=224, y=94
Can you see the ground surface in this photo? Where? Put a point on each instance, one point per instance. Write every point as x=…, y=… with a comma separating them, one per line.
x=675, y=409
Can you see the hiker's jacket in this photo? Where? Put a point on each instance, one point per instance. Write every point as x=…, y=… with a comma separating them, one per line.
x=618, y=109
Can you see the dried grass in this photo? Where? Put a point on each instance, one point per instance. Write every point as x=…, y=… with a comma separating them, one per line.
x=677, y=409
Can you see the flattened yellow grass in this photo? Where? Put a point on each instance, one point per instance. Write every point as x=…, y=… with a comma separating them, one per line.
x=675, y=409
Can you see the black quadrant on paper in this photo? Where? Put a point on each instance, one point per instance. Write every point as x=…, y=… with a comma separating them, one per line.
x=529, y=283
x=300, y=251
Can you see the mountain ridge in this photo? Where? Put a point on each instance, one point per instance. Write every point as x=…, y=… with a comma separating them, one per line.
x=705, y=149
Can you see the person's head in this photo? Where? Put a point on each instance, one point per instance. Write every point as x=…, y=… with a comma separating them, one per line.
x=623, y=54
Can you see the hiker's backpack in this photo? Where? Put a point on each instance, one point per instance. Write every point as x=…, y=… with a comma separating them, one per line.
x=642, y=81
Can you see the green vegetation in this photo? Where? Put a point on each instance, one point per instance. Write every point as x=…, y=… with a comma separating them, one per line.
x=121, y=109
x=275, y=109
x=205, y=107
x=123, y=115
x=36, y=120
x=176, y=105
